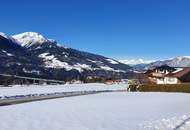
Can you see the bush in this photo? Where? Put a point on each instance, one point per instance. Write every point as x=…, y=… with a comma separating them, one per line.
x=165, y=88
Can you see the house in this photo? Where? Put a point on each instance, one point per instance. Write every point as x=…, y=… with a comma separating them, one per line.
x=116, y=81
x=169, y=75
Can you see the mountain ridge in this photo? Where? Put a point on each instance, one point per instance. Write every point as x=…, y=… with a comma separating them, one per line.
x=179, y=61
x=46, y=58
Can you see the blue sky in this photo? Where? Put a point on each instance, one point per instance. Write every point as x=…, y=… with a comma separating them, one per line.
x=122, y=29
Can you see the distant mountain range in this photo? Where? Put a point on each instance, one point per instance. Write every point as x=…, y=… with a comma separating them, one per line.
x=31, y=54
x=136, y=62
x=181, y=61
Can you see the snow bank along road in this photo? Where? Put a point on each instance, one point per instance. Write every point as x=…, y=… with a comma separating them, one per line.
x=28, y=95
x=103, y=111
x=10, y=100
x=36, y=89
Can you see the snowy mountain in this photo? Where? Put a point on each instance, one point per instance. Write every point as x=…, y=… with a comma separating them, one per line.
x=9, y=38
x=14, y=58
x=41, y=57
x=141, y=65
x=30, y=38
x=136, y=62
x=138, y=65
x=180, y=61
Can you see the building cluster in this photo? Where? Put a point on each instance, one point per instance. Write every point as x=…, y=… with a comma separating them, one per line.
x=168, y=75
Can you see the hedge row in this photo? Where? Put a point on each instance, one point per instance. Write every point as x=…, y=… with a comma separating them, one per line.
x=164, y=88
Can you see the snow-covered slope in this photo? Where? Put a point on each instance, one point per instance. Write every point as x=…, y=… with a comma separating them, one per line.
x=56, y=56
x=135, y=62
x=53, y=60
x=9, y=38
x=180, y=61
x=141, y=65
x=138, y=65
x=4, y=35
x=28, y=39
x=8, y=43
x=14, y=58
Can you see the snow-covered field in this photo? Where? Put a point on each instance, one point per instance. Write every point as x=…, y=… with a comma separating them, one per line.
x=104, y=111
x=36, y=89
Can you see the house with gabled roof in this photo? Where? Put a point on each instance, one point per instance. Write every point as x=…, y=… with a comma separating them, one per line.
x=169, y=75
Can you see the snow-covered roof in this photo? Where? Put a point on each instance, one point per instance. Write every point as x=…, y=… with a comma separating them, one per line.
x=179, y=73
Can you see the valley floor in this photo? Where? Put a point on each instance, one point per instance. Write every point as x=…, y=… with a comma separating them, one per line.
x=103, y=111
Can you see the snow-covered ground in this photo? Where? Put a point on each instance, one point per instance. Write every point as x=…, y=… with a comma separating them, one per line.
x=36, y=89
x=104, y=111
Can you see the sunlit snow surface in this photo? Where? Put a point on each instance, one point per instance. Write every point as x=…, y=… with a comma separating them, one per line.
x=30, y=38
x=38, y=89
x=105, y=111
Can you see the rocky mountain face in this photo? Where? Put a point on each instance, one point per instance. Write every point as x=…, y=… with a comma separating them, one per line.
x=31, y=54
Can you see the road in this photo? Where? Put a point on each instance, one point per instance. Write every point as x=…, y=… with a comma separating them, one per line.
x=10, y=100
